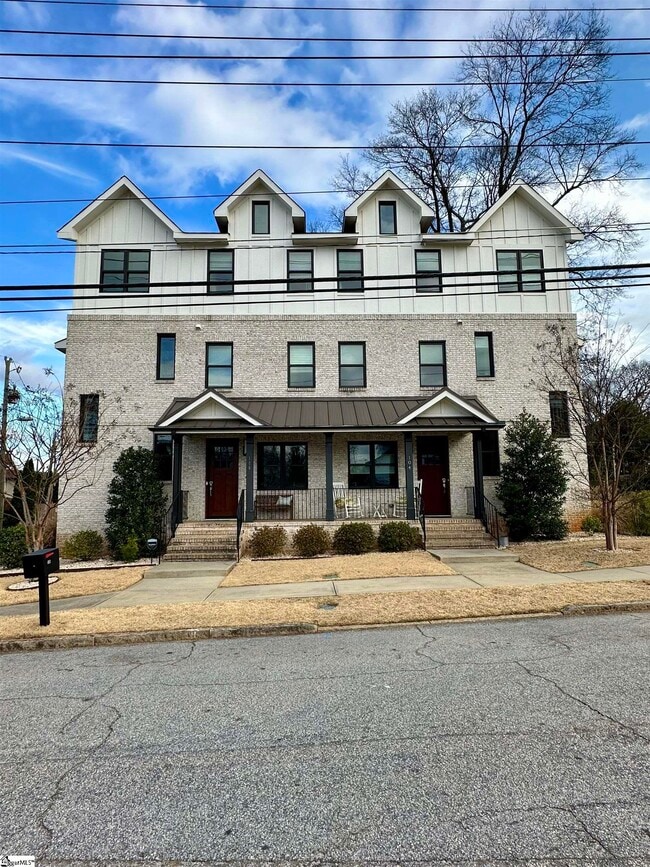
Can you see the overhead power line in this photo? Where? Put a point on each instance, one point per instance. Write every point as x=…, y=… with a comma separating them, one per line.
x=275, y=147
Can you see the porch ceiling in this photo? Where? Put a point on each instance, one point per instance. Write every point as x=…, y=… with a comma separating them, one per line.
x=323, y=414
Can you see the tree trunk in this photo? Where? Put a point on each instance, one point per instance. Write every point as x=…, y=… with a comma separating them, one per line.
x=611, y=530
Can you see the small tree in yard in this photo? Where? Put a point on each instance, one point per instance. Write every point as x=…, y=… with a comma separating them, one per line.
x=136, y=501
x=533, y=481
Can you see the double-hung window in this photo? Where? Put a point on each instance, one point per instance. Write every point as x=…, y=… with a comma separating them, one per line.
x=282, y=466
x=352, y=365
x=218, y=365
x=302, y=365
x=221, y=272
x=387, y=218
x=166, y=356
x=261, y=218
x=559, y=409
x=372, y=465
x=427, y=271
x=433, y=364
x=162, y=449
x=300, y=270
x=88, y=418
x=349, y=270
x=483, y=353
x=520, y=271
x=125, y=271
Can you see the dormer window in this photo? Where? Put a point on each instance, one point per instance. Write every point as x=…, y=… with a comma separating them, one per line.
x=387, y=218
x=261, y=218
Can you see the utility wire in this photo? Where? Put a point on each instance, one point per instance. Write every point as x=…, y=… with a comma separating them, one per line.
x=274, y=147
x=236, y=58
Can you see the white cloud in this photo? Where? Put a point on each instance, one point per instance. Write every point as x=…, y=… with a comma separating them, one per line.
x=30, y=342
x=54, y=168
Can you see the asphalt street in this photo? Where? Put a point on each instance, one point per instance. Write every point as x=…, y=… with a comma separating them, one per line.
x=491, y=743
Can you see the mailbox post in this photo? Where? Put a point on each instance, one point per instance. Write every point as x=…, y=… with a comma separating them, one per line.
x=38, y=566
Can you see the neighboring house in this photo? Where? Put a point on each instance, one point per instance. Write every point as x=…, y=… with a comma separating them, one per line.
x=10, y=482
x=354, y=363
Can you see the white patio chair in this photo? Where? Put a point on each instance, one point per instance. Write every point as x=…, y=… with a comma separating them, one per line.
x=353, y=507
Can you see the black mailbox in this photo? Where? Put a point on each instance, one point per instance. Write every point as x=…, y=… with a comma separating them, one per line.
x=40, y=564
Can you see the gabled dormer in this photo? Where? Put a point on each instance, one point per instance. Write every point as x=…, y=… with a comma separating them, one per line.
x=388, y=207
x=259, y=209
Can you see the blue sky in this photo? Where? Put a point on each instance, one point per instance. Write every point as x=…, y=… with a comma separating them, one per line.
x=243, y=115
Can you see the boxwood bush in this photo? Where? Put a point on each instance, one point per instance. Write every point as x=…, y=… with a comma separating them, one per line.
x=84, y=545
x=398, y=536
x=354, y=538
x=268, y=541
x=591, y=524
x=312, y=540
x=12, y=546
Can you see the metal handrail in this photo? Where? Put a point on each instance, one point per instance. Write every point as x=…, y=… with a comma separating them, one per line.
x=241, y=510
x=421, y=517
x=493, y=520
x=171, y=519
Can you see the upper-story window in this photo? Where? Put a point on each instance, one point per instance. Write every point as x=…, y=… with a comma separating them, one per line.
x=221, y=272
x=261, y=218
x=166, y=356
x=559, y=409
x=433, y=364
x=88, y=418
x=483, y=353
x=350, y=270
x=218, y=365
x=125, y=271
x=352, y=365
x=301, y=365
x=387, y=218
x=520, y=270
x=427, y=271
x=300, y=270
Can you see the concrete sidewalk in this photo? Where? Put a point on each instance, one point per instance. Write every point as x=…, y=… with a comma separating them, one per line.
x=174, y=583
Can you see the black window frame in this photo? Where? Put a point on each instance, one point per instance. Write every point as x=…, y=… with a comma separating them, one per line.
x=208, y=366
x=490, y=454
x=164, y=459
x=301, y=280
x=560, y=426
x=230, y=285
x=341, y=365
x=340, y=281
x=393, y=206
x=422, y=275
x=490, y=338
x=159, y=339
x=372, y=484
x=442, y=343
x=520, y=272
x=261, y=485
x=311, y=343
x=124, y=287
x=88, y=415
x=267, y=205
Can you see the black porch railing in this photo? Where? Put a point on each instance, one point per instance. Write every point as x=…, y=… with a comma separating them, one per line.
x=493, y=520
x=349, y=503
x=171, y=519
x=241, y=509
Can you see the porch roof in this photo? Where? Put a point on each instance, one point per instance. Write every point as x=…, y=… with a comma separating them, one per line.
x=212, y=411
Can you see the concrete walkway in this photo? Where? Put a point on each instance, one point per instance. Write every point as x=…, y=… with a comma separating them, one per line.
x=173, y=583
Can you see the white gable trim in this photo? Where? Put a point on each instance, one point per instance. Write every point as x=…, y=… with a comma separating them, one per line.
x=259, y=176
x=446, y=394
x=539, y=203
x=211, y=395
x=398, y=185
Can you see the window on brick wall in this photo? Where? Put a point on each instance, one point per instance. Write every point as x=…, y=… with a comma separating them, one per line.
x=88, y=418
x=166, y=356
x=483, y=353
x=433, y=364
x=301, y=365
x=559, y=409
x=218, y=365
x=372, y=465
x=162, y=449
x=352, y=365
x=490, y=453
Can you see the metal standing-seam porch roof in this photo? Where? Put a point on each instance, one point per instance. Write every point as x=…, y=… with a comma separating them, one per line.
x=186, y=414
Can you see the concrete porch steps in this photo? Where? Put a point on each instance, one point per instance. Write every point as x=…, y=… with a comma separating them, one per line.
x=203, y=540
x=457, y=533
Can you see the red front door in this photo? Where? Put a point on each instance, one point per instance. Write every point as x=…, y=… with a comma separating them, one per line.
x=433, y=469
x=221, y=478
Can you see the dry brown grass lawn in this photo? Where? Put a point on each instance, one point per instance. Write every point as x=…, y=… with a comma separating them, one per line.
x=74, y=584
x=367, y=609
x=407, y=564
x=577, y=555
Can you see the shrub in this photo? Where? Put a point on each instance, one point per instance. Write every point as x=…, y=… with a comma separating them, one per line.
x=311, y=540
x=129, y=550
x=355, y=538
x=398, y=536
x=12, y=547
x=635, y=515
x=268, y=541
x=136, y=501
x=592, y=524
x=84, y=545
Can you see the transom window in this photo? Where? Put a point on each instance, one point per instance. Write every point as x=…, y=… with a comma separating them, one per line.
x=349, y=270
x=88, y=418
x=520, y=270
x=166, y=356
x=302, y=367
x=125, y=271
x=300, y=270
x=281, y=466
x=433, y=364
x=162, y=449
x=559, y=408
x=372, y=465
x=218, y=365
x=427, y=271
x=352, y=365
x=261, y=218
x=387, y=218
x=483, y=353
x=221, y=272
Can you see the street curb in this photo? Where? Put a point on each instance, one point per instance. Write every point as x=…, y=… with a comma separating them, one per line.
x=107, y=639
